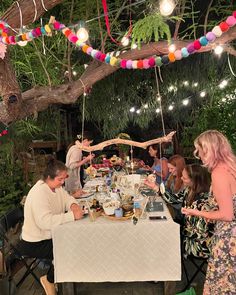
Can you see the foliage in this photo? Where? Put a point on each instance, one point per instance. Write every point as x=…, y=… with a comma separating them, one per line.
x=150, y=26
x=122, y=147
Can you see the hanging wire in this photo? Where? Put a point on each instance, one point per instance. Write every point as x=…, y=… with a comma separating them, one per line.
x=132, y=159
x=160, y=102
x=42, y=2
x=230, y=67
x=20, y=12
x=83, y=110
x=35, y=11
x=43, y=43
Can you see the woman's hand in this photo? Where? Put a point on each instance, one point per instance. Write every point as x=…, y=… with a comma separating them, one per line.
x=191, y=212
x=77, y=211
x=77, y=194
x=152, y=185
x=90, y=157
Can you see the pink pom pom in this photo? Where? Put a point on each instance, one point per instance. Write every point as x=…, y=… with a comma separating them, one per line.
x=123, y=63
x=151, y=62
x=98, y=54
x=129, y=64
x=89, y=50
x=231, y=21
x=234, y=14
x=146, y=64
x=178, y=55
x=56, y=25
x=4, y=132
x=74, y=39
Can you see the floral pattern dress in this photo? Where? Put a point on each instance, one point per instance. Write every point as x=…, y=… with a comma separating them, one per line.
x=221, y=272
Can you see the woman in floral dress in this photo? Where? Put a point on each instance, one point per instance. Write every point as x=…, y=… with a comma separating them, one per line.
x=215, y=152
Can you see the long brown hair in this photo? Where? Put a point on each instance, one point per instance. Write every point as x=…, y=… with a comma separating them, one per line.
x=178, y=162
x=201, y=181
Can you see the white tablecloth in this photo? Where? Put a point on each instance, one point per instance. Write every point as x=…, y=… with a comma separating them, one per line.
x=115, y=251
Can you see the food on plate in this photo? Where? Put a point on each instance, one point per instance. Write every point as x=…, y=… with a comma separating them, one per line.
x=91, y=171
x=151, y=178
x=109, y=207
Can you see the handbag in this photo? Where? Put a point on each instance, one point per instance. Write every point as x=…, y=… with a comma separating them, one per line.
x=190, y=291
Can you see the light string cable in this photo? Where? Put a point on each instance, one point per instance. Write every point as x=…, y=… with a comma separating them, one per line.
x=160, y=102
x=132, y=159
x=229, y=64
x=42, y=2
x=35, y=11
x=43, y=43
x=83, y=110
x=20, y=13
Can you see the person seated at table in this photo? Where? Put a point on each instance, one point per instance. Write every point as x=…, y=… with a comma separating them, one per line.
x=47, y=206
x=159, y=167
x=176, y=165
x=196, y=231
x=74, y=161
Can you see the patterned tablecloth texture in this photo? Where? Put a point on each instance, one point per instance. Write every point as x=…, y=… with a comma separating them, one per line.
x=116, y=251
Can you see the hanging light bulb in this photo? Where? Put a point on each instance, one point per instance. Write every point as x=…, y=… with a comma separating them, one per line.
x=22, y=43
x=166, y=7
x=82, y=33
x=172, y=48
x=125, y=41
x=218, y=50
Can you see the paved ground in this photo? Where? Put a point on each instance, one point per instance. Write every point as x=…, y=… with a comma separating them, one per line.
x=31, y=287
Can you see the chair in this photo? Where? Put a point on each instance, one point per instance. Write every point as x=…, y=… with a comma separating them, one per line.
x=13, y=258
x=200, y=265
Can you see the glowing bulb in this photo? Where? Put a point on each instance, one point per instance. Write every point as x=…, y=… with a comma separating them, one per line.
x=74, y=73
x=223, y=84
x=186, y=83
x=138, y=111
x=218, y=50
x=125, y=41
x=166, y=7
x=171, y=88
x=132, y=110
x=82, y=34
x=223, y=99
x=22, y=43
x=146, y=106
x=195, y=84
x=170, y=108
x=202, y=93
x=185, y=102
x=158, y=110
x=172, y=48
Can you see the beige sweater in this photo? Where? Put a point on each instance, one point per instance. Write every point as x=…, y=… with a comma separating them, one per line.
x=45, y=209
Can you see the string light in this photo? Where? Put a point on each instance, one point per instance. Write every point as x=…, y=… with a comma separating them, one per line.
x=218, y=50
x=158, y=110
x=125, y=41
x=185, y=101
x=132, y=110
x=186, y=83
x=223, y=84
x=170, y=108
x=145, y=106
x=202, y=94
x=195, y=84
x=166, y=7
x=138, y=111
x=82, y=33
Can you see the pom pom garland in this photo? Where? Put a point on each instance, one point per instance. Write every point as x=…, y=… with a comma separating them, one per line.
x=114, y=61
x=4, y=132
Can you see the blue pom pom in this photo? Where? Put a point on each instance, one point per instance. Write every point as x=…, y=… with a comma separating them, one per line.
x=31, y=35
x=43, y=31
x=107, y=59
x=203, y=41
x=184, y=52
x=165, y=59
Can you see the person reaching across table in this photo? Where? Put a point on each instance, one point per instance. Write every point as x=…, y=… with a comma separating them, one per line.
x=216, y=154
x=74, y=162
x=47, y=205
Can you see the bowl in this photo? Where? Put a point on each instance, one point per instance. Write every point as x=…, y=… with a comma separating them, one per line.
x=110, y=207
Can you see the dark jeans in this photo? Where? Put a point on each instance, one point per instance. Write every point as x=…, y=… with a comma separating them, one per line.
x=41, y=250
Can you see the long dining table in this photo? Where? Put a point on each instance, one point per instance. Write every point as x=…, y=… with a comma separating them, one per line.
x=117, y=251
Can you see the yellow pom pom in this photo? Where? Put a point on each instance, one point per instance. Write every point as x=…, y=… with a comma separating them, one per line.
x=113, y=61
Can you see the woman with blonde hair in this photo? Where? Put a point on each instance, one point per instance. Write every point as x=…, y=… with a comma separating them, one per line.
x=176, y=165
x=216, y=154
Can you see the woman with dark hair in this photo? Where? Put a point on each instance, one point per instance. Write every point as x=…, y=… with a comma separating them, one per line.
x=196, y=232
x=74, y=161
x=159, y=167
x=176, y=165
x=47, y=205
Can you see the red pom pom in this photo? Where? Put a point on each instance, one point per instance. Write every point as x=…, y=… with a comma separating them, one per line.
x=38, y=32
x=224, y=27
x=197, y=45
x=140, y=64
x=152, y=62
x=67, y=33
x=234, y=14
x=4, y=132
x=1, y=26
x=102, y=57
